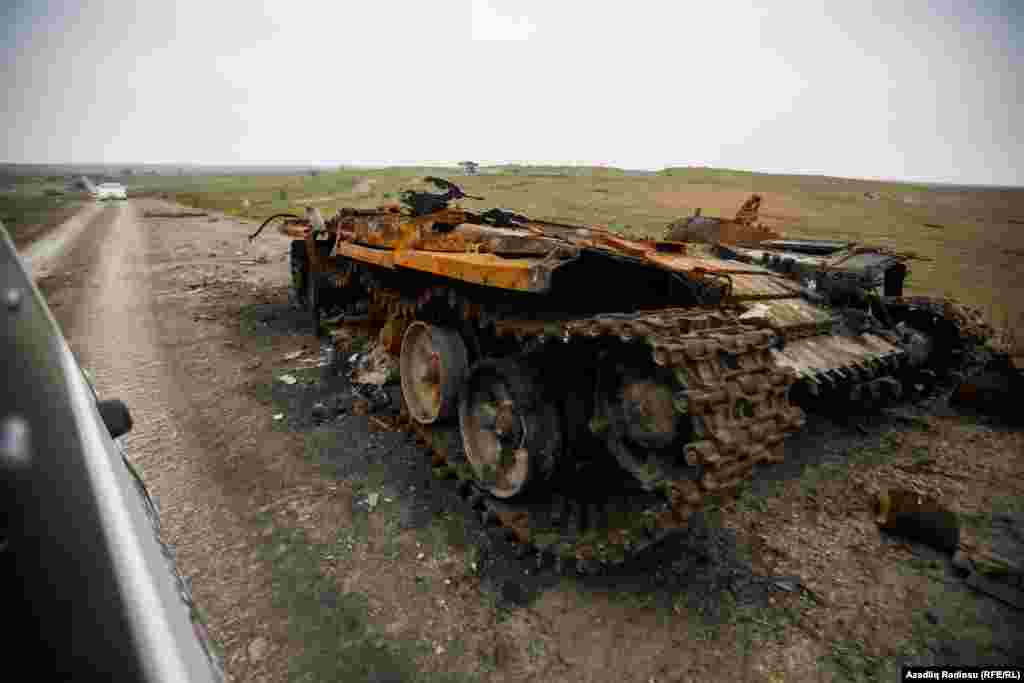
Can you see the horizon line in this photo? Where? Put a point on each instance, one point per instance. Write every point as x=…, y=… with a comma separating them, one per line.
x=495, y=164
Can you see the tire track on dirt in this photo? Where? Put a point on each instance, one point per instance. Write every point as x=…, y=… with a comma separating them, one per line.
x=64, y=269
x=44, y=250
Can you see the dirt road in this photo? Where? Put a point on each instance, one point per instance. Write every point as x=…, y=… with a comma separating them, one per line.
x=119, y=285
x=324, y=547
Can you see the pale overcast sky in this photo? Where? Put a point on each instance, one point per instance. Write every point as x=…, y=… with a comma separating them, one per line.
x=922, y=90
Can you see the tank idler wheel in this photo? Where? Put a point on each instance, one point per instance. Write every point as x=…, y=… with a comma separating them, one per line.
x=433, y=367
x=511, y=434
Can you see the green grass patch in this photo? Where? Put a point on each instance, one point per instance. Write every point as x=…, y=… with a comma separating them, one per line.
x=456, y=647
x=958, y=620
x=632, y=599
x=317, y=444
x=750, y=501
x=849, y=662
x=762, y=624
x=359, y=344
x=920, y=456
x=536, y=649
x=339, y=642
x=33, y=205
x=981, y=522
x=753, y=623
x=958, y=610
x=447, y=532
x=815, y=476
x=930, y=568
x=265, y=194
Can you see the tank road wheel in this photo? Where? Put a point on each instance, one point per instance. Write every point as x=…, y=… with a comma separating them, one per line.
x=642, y=413
x=300, y=273
x=433, y=367
x=511, y=434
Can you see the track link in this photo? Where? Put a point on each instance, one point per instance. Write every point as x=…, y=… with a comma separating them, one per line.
x=728, y=386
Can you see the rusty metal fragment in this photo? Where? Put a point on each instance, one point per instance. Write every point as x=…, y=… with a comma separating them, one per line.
x=915, y=515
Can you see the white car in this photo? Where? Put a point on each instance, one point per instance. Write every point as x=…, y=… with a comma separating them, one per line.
x=110, y=191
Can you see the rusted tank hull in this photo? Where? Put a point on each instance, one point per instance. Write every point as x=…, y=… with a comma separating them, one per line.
x=608, y=388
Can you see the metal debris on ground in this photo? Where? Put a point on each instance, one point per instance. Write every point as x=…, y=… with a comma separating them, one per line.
x=381, y=424
x=373, y=396
x=788, y=585
x=320, y=411
x=368, y=373
x=913, y=515
x=278, y=416
x=373, y=368
x=288, y=379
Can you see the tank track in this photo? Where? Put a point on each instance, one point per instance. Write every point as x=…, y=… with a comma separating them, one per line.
x=879, y=379
x=738, y=411
x=735, y=396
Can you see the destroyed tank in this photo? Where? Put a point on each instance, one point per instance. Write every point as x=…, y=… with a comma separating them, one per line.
x=591, y=392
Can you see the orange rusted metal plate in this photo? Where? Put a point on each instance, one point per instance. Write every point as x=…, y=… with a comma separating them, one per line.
x=382, y=230
x=686, y=263
x=380, y=257
x=521, y=274
x=471, y=238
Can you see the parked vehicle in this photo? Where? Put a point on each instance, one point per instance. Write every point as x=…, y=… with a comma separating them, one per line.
x=110, y=191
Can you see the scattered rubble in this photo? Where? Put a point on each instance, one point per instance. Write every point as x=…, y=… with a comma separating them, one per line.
x=376, y=367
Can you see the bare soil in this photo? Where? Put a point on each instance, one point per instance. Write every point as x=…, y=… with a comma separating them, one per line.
x=315, y=542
